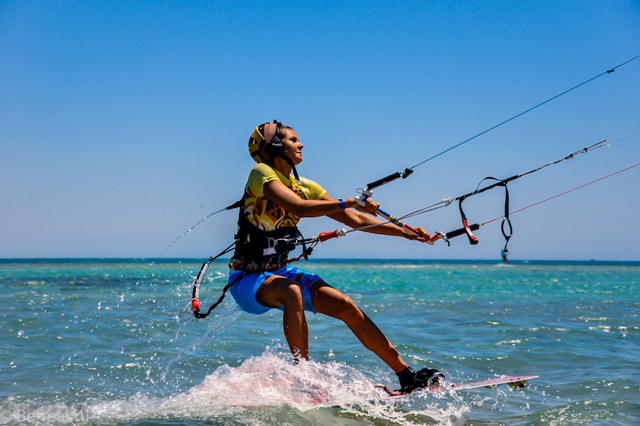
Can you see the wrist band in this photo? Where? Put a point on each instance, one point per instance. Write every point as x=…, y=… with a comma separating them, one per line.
x=342, y=206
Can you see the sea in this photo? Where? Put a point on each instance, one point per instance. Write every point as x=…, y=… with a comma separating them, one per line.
x=114, y=342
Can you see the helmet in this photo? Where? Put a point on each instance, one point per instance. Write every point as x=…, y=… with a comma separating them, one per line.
x=263, y=140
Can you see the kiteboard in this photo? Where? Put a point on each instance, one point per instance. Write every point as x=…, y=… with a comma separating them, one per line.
x=513, y=381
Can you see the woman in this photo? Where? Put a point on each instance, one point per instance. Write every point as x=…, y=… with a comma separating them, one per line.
x=273, y=203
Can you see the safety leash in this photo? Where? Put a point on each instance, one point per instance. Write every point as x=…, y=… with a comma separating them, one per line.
x=195, y=293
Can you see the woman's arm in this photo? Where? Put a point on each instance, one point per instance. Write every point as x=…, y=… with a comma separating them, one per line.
x=356, y=220
x=282, y=195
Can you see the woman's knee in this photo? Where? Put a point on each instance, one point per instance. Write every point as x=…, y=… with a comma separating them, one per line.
x=344, y=308
x=292, y=296
x=279, y=291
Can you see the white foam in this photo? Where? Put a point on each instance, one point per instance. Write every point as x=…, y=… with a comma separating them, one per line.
x=262, y=390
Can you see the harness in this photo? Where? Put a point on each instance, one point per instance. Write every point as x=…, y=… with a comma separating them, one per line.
x=257, y=250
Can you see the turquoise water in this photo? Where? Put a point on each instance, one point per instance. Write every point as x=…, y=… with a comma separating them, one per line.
x=114, y=342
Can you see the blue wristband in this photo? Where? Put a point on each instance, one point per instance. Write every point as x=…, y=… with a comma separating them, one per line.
x=342, y=206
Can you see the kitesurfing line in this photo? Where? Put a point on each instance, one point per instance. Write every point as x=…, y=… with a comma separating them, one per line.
x=506, y=227
x=563, y=193
x=466, y=229
x=600, y=144
x=312, y=242
x=406, y=172
x=476, y=226
x=195, y=300
x=447, y=201
x=309, y=244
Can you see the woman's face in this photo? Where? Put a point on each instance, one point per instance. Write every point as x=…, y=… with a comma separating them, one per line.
x=292, y=146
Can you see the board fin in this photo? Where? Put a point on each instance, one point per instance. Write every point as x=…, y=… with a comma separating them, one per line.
x=520, y=384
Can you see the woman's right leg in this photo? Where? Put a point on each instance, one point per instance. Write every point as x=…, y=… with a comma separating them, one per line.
x=332, y=302
x=277, y=291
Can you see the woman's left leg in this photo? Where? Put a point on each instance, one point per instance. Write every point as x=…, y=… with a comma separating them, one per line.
x=332, y=302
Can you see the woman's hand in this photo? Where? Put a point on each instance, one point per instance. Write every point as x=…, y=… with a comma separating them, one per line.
x=423, y=237
x=369, y=207
x=426, y=237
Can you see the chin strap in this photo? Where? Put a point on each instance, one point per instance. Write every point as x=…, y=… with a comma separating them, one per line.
x=290, y=163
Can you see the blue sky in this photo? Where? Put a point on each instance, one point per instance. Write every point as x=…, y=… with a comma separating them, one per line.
x=124, y=123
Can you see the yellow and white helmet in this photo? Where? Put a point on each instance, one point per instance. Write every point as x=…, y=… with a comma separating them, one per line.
x=263, y=140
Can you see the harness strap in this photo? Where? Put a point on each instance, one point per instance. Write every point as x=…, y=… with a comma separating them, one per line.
x=506, y=228
x=465, y=224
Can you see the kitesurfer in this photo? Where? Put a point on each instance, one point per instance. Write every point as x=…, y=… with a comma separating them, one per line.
x=274, y=200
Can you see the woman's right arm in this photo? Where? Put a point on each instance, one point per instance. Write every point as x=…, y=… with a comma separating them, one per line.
x=283, y=196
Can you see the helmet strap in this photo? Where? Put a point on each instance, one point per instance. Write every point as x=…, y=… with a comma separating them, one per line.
x=288, y=160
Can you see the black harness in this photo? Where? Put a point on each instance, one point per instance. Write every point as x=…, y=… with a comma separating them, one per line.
x=256, y=250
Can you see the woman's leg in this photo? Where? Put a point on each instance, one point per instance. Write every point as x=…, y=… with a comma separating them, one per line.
x=329, y=301
x=277, y=291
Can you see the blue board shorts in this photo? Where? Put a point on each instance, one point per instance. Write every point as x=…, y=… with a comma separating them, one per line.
x=244, y=291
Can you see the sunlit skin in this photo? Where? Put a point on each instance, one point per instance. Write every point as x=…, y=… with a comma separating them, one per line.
x=293, y=146
x=277, y=291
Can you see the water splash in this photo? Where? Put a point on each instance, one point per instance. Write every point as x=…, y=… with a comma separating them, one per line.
x=266, y=389
x=216, y=325
x=271, y=382
x=175, y=240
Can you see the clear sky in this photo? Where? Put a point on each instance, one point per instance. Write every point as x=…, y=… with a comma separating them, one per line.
x=124, y=123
